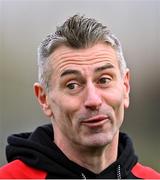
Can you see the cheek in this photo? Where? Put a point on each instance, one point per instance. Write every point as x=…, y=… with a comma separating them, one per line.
x=64, y=106
x=114, y=98
x=70, y=104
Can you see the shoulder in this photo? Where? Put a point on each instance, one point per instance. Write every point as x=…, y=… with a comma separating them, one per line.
x=145, y=172
x=19, y=170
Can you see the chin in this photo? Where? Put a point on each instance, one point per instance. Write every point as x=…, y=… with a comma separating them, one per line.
x=99, y=140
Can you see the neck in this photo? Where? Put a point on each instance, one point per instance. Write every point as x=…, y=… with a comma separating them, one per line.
x=96, y=159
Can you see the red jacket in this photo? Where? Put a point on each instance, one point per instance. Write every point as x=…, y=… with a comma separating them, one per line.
x=18, y=170
x=35, y=156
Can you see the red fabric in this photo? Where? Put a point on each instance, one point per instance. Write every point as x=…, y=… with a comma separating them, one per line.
x=144, y=172
x=18, y=170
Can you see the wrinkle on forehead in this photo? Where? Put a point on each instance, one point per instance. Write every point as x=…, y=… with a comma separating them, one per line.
x=64, y=56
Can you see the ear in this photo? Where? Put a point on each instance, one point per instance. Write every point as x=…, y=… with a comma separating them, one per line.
x=42, y=98
x=126, y=88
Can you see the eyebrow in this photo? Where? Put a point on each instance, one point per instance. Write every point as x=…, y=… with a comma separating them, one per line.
x=106, y=66
x=76, y=72
x=70, y=71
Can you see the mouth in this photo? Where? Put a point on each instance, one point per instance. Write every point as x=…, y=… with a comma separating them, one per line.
x=95, y=121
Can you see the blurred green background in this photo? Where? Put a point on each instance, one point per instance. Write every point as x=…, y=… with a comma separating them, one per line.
x=24, y=23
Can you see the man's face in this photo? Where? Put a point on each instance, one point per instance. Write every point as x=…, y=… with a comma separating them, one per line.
x=87, y=95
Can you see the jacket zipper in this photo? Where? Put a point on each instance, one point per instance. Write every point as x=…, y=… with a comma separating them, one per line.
x=83, y=176
x=119, y=172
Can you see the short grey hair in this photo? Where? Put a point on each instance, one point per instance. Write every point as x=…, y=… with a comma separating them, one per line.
x=76, y=32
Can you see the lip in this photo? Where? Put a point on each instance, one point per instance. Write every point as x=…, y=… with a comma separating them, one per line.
x=95, y=121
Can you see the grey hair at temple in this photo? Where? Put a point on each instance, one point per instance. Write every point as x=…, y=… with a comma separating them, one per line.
x=76, y=32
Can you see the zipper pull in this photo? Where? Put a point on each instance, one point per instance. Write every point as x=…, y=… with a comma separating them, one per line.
x=83, y=176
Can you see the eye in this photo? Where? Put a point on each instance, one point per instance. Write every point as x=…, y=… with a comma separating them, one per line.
x=104, y=80
x=72, y=85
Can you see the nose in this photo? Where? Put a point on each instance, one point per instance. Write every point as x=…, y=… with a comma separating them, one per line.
x=93, y=99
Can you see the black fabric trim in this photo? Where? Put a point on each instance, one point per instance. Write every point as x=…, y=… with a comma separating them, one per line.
x=38, y=150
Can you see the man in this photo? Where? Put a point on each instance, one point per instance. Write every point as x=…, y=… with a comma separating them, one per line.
x=83, y=88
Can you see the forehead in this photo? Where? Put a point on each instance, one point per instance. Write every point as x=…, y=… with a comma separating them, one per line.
x=66, y=57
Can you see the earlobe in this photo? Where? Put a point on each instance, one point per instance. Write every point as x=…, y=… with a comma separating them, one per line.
x=42, y=98
x=126, y=88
